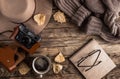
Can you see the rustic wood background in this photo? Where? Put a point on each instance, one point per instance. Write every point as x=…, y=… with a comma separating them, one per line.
x=68, y=38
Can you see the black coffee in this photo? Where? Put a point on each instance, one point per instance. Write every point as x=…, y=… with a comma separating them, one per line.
x=41, y=64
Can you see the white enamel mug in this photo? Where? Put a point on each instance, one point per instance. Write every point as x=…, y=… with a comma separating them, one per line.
x=41, y=73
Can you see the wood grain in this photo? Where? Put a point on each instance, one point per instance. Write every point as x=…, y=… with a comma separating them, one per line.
x=68, y=38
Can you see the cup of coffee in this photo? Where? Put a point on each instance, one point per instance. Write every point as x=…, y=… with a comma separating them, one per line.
x=41, y=65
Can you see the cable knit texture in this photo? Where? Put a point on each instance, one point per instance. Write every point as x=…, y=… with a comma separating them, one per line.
x=112, y=18
x=96, y=6
x=69, y=7
x=74, y=10
x=96, y=27
x=81, y=14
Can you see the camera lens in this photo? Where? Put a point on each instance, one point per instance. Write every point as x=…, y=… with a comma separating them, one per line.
x=26, y=40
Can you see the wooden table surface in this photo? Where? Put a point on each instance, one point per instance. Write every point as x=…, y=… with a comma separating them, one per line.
x=68, y=38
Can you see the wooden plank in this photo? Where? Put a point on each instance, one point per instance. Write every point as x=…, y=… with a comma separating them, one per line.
x=68, y=38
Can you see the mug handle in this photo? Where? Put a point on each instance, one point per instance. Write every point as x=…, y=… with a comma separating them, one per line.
x=41, y=76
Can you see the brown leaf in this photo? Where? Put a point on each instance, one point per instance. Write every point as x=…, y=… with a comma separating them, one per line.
x=59, y=58
x=59, y=17
x=40, y=19
x=57, y=68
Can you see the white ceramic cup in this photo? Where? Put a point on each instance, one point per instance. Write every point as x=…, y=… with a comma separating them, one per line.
x=41, y=73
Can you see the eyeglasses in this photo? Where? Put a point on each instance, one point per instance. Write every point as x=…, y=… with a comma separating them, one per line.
x=96, y=62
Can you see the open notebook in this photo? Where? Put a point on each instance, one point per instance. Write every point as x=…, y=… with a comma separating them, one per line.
x=92, y=61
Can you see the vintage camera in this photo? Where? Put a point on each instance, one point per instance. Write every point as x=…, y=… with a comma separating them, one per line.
x=26, y=38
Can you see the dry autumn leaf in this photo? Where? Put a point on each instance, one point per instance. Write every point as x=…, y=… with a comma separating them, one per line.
x=23, y=69
x=57, y=68
x=59, y=58
x=39, y=19
x=59, y=17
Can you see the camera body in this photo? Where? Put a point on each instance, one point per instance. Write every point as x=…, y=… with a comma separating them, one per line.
x=26, y=39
